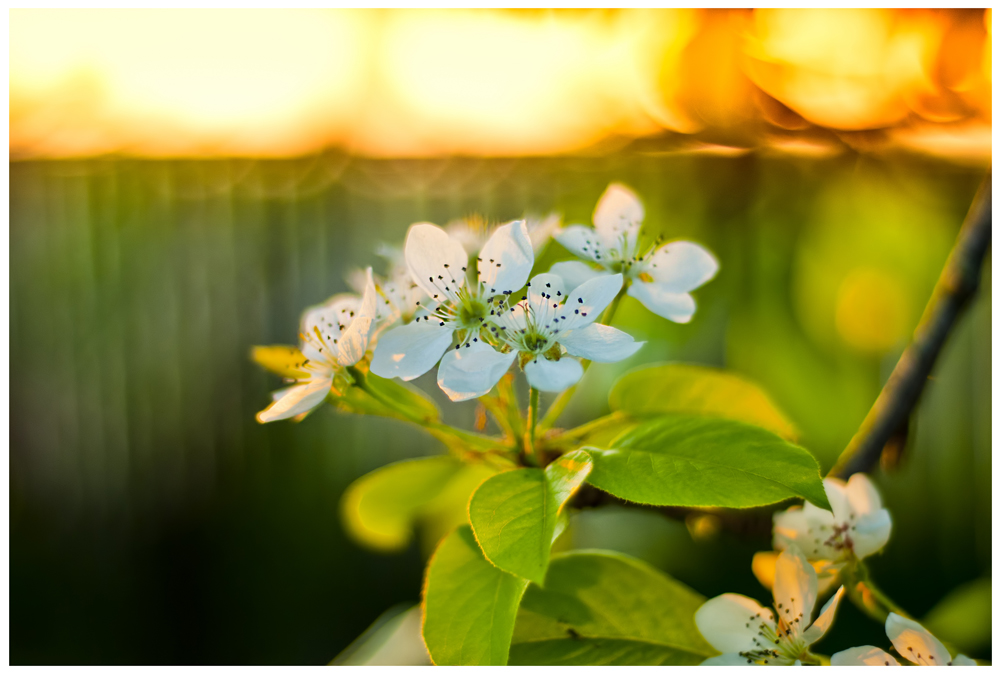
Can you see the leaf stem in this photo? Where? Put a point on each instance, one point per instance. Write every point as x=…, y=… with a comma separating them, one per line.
x=530, y=455
x=868, y=597
x=473, y=441
x=558, y=406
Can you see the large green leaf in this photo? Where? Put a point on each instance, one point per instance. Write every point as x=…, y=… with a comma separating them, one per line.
x=702, y=461
x=380, y=509
x=679, y=388
x=469, y=604
x=515, y=515
x=606, y=608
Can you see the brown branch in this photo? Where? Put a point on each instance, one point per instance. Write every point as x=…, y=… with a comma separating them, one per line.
x=888, y=418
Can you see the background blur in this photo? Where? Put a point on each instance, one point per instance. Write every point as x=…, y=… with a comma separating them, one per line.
x=184, y=183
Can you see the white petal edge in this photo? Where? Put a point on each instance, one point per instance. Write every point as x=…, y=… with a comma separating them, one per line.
x=553, y=376
x=471, y=371
x=430, y=253
x=862, y=495
x=600, y=343
x=836, y=493
x=581, y=241
x=575, y=273
x=618, y=213
x=295, y=400
x=676, y=307
x=823, y=622
x=964, y=661
x=914, y=642
x=682, y=266
x=871, y=533
x=411, y=350
x=795, y=588
x=505, y=261
x=589, y=300
x=354, y=340
x=864, y=656
x=723, y=622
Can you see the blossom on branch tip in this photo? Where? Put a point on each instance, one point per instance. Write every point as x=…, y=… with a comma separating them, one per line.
x=911, y=640
x=660, y=276
x=333, y=336
x=547, y=331
x=749, y=634
x=439, y=265
x=858, y=526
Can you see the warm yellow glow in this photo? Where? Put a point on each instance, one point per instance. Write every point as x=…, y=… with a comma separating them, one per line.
x=430, y=82
x=872, y=310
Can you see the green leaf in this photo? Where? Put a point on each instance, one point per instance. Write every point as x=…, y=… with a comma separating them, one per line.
x=469, y=604
x=380, y=509
x=515, y=514
x=405, y=397
x=964, y=617
x=679, y=388
x=704, y=462
x=606, y=608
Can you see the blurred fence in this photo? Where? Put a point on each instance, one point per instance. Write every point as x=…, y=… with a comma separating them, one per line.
x=153, y=520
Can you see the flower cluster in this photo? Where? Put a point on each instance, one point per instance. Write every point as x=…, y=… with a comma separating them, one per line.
x=463, y=298
x=815, y=546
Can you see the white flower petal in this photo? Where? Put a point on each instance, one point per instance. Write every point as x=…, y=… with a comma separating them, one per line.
x=676, y=307
x=553, y=375
x=435, y=260
x=914, y=642
x=809, y=528
x=862, y=495
x=819, y=627
x=600, y=343
x=506, y=260
x=329, y=320
x=574, y=272
x=730, y=622
x=867, y=656
x=471, y=371
x=727, y=660
x=548, y=283
x=871, y=533
x=581, y=241
x=354, y=340
x=836, y=493
x=587, y=302
x=296, y=399
x=410, y=350
x=964, y=661
x=618, y=217
x=795, y=588
x=682, y=266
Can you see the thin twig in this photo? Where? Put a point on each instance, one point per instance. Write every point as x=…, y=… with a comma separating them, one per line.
x=959, y=280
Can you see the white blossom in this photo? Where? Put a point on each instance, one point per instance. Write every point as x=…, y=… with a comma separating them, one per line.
x=749, y=634
x=911, y=640
x=548, y=330
x=858, y=526
x=460, y=309
x=660, y=276
x=333, y=335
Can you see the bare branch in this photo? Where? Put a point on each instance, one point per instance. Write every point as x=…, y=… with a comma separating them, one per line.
x=889, y=416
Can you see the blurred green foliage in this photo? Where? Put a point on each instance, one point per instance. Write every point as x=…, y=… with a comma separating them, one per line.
x=154, y=521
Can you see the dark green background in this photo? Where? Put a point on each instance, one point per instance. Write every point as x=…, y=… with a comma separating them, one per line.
x=154, y=521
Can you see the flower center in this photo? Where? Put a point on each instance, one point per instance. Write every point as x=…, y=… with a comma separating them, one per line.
x=777, y=645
